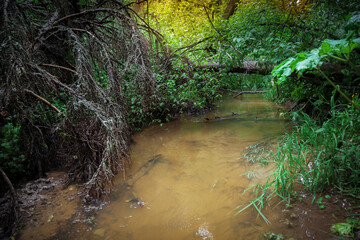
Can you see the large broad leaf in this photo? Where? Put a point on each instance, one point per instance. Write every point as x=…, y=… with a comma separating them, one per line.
x=311, y=61
x=283, y=70
x=303, y=61
x=354, y=22
x=339, y=46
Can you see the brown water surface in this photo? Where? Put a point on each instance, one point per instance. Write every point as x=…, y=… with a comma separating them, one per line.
x=188, y=175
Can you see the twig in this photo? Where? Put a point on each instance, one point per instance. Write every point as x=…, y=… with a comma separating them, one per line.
x=44, y=100
x=338, y=89
x=60, y=83
x=249, y=92
x=192, y=45
x=57, y=66
x=211, y=23
x=93, y=11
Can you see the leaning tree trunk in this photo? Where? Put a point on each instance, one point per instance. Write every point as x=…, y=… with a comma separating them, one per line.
x=230, y=8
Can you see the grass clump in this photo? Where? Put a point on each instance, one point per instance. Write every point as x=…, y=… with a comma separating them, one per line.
x=321, y=155
x=317, y=156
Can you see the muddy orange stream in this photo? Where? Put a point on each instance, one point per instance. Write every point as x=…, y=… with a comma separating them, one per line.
x=189, y=175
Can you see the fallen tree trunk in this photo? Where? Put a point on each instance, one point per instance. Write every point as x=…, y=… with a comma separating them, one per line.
x=251, y=67
x=257, y=67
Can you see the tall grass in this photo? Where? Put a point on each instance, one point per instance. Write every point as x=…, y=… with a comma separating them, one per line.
x=321, y=155
x=318, y=156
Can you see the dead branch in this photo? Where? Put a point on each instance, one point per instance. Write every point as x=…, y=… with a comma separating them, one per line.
x=57, y=66
x=116, y=11
x=56, y=80
x=249, y=92
x=43, y=99
x=101, y=54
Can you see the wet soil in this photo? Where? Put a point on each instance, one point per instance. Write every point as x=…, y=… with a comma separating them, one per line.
x=46, y=206
x=309, y=218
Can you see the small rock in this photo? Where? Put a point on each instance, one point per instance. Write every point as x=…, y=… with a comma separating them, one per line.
x=50, y=218
x=100, y=232
x=288, y=223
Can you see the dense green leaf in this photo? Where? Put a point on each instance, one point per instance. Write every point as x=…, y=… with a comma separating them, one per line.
x=284, y=69
x=311, y=61
x=338, y=46
x=354, y=22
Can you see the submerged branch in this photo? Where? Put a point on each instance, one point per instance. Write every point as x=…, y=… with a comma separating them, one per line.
x=249, y=92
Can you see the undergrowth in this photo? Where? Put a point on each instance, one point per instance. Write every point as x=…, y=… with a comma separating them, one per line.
x=11, y=159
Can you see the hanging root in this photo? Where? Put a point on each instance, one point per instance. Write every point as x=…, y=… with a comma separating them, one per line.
x=64, y=70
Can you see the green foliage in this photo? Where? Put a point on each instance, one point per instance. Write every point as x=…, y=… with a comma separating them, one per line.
x=85, y=2
x=185, y=22
x=11, y=159
x=273, y=236
x=265, y=31
x=319, y=156
x=258, y=202
x=354, y=22
x=101, y=77
x=307, y=61
x=244, y=82
x=177, y=91
x=342, y=52
x=348, y=228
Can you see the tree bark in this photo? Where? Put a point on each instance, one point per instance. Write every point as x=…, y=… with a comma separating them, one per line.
x=230, y=8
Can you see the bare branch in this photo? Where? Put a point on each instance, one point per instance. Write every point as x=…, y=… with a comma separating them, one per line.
x=43, y=99
x=57, y=66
